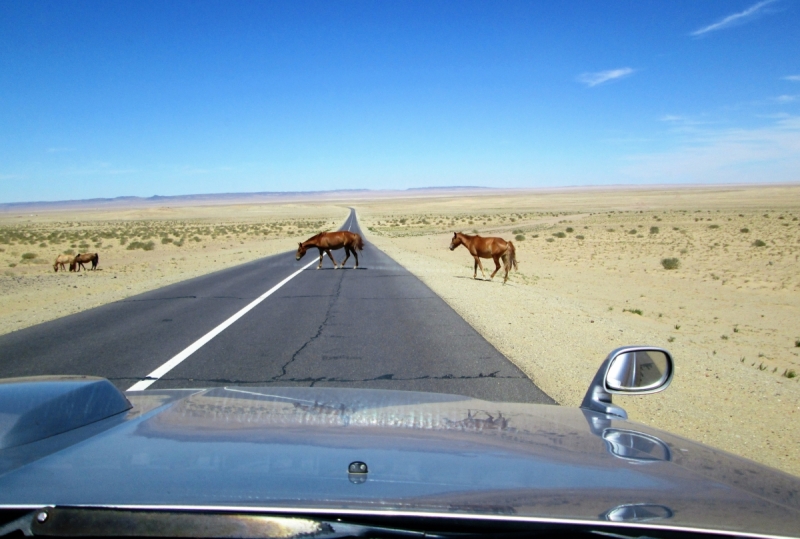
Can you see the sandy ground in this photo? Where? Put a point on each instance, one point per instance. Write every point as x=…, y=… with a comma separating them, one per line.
x=214, y=238
x=728, y=314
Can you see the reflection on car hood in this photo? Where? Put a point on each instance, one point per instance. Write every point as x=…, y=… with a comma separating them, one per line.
x=289, y=449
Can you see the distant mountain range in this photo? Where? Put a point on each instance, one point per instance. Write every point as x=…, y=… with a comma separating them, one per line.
x=217, y=198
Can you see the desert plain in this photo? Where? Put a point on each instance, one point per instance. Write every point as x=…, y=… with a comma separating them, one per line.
x=708, y=272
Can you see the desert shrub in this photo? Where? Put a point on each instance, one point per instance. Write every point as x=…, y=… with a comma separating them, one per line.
x=670, y=263
x=633, y=231
x=570, y=229
x=634, y=311
x=797, y=343
x=535, y=236
x=653, y=230
x=789, y=373
x=29, y=256
x=579, y=237
x=519, y=237
x=149, y=246
x=518, y=231
x=69, y=252
x=758, y=243
x=550, y=240
x=560, y=235
x=12, y=265
x=744, y=230
x=43, y=244
x=713, y=226
x=83, y=246
x=609, y=230
x=165, y=240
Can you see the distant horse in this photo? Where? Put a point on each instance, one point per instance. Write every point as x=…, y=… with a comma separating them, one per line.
x=495, y=248
x=61, y=260
x=325, y=241
x=80, y=259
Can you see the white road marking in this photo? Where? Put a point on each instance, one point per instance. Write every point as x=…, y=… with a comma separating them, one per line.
x=194, y=347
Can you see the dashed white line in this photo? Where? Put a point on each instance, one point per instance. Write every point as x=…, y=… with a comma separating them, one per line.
x=195, y=346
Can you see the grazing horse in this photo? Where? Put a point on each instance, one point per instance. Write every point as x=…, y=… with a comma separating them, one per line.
x=495, y=248
x=61, y=260
x=86, y=257
x=325, y=241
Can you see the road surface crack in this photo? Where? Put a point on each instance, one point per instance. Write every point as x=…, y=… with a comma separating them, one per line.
x=316, y=336
x=314, y=380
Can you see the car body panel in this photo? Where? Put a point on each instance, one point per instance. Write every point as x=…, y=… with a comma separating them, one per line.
x=289, y=449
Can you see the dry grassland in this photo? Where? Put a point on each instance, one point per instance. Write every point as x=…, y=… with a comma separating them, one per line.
x=593, y=276
x=139, y=250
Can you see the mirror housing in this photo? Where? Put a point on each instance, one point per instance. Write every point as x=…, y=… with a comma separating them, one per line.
x=629, y=370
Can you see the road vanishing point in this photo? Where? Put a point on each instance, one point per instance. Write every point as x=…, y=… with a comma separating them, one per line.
x=277, y=322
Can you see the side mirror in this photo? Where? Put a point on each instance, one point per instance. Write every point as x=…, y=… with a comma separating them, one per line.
x=628, y=370
x=639, y=371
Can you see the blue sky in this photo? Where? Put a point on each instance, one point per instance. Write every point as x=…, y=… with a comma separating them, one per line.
x=105, y=99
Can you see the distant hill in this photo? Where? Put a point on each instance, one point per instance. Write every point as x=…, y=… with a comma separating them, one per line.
x=220, y=198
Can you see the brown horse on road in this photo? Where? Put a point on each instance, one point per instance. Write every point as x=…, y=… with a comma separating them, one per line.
x=480, y=247
x=325, y=241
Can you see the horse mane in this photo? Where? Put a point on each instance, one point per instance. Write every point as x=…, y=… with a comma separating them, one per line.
x=316, y=236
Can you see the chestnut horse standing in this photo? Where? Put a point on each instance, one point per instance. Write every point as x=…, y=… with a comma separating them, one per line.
x=325, y=241
x=495, y=248
x=80, y=259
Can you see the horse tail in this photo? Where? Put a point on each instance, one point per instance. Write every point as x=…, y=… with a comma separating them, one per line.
x=512, y=255
x=359, y=242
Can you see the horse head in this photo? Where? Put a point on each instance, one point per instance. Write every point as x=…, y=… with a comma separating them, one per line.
x=301, y=251
x=456, y=241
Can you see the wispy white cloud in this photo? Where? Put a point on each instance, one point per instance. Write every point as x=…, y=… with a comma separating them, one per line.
x=734, y=19
x=793, y=78
x=679, y=122
x=4, y=177
x=600, y=77
x=767, y=153
x=97, y=168
x=783, y=99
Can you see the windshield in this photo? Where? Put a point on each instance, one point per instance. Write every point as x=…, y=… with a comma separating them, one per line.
x=462, y=198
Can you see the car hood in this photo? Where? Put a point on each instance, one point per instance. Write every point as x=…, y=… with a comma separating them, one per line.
x=289, y=450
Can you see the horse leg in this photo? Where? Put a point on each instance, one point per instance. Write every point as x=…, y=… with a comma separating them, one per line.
x=496, y=266
x=480, y=265
x=346, y=255
x=475, y=268
x=320, y=259
x=331, y=257
x=355, y=254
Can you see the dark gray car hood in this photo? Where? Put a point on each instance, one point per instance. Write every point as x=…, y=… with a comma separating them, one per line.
x=288, y=449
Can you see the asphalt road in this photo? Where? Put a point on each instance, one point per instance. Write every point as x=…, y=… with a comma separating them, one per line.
x=375, y=327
